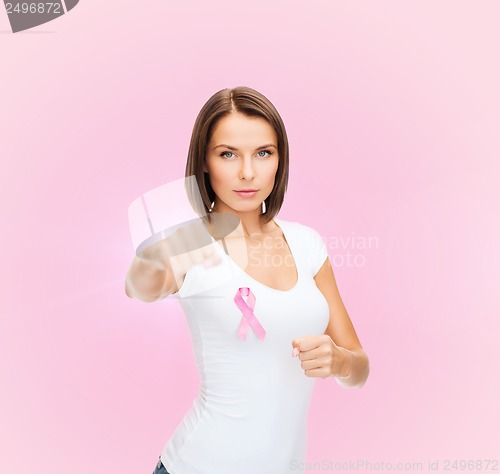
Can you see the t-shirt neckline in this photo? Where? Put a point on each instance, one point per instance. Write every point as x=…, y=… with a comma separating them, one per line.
x=292, y=249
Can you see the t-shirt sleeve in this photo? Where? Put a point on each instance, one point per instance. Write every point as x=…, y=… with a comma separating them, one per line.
x=190, y=284
x=186, y=285
x=316, y=249
x=199, y=279
x=195, y=281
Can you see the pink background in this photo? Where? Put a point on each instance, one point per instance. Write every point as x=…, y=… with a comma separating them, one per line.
x=392, y=111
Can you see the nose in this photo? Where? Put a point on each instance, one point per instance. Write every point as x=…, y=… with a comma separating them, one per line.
x=246, y=171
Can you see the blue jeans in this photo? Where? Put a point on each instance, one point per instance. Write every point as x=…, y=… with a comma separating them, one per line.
x=160, y=468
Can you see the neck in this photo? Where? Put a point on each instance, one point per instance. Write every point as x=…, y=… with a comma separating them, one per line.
x=251, y=222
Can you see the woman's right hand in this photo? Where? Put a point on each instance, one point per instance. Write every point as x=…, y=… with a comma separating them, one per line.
x=189, y=245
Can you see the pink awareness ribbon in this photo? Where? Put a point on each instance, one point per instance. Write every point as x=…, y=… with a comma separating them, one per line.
x=248, y=318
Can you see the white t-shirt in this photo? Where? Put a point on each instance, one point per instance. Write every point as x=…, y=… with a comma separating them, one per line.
x=251, y=409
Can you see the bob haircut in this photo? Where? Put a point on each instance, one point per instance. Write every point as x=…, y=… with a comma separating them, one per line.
x=250, y=103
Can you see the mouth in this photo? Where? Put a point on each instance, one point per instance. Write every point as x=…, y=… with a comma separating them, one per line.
x=246, y=193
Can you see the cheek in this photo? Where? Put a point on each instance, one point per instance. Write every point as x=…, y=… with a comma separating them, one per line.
x=270, y=173
x=220, y=176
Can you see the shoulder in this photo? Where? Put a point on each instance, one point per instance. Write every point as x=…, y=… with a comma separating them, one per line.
x=303, y=231
x=309, y=242
x=305, y=236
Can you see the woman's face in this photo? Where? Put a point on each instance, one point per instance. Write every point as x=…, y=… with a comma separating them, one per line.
x=242, y=154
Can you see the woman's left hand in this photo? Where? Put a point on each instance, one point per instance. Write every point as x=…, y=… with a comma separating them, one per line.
x=321, y=357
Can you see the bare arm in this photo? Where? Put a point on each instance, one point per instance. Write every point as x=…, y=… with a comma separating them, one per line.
x=165, y=264
x=358, y=369
x=342, y=332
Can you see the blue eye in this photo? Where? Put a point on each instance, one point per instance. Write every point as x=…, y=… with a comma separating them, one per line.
x=269, y=153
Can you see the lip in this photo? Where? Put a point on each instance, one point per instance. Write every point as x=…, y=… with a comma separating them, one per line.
x=245, y=193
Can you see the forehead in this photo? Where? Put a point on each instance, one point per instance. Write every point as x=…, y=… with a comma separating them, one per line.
x=237, y=129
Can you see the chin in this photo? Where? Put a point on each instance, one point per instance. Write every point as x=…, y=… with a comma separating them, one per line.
x=245, y=208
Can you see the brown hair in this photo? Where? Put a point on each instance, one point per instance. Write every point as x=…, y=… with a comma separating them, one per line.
x=248, y=102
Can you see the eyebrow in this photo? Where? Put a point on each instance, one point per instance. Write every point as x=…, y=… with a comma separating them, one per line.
x=236, y=149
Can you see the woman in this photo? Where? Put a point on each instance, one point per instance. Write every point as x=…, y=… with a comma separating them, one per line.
x=250, y=413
